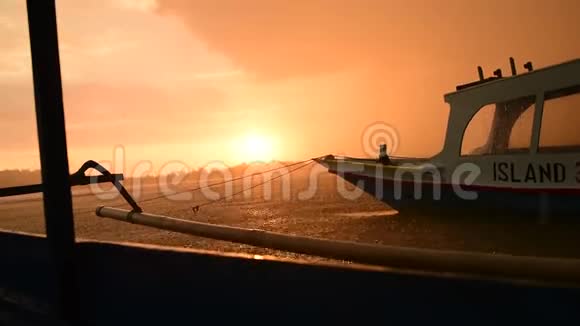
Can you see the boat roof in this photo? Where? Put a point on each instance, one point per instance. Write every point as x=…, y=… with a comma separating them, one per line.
x=564, y=66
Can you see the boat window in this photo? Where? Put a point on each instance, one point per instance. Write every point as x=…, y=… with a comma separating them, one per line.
x=475, y=136
x=521, y=134
x=500, y=128
x=560, y=121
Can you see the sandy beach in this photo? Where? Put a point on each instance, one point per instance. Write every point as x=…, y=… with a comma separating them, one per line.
x=324, y=214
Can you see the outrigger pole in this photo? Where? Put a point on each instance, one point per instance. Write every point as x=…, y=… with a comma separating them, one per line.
x=552, y=270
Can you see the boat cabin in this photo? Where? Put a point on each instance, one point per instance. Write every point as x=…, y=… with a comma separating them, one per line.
x=520, y=114
x=510, y=142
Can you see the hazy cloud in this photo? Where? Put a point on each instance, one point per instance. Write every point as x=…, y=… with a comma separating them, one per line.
x=279, y=39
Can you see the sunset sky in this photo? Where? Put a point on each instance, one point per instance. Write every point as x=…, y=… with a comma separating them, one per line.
x=199, y=80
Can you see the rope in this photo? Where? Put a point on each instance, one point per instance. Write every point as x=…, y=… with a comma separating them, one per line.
x=196, y=208
x=225, y=181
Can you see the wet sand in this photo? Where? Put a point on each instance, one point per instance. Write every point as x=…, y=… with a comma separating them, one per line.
x=326, y=215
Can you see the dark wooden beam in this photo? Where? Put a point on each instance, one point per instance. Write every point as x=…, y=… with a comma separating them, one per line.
x=74, y=181
x=58, y=210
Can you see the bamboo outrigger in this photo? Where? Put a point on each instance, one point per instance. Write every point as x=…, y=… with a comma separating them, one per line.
x=565, y=271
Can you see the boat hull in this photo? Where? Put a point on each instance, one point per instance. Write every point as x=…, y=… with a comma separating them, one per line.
x=427, y=198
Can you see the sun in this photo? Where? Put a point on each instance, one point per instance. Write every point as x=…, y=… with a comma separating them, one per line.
x=257, y=148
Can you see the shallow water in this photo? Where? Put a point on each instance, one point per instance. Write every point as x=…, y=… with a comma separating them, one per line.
x=326, y=214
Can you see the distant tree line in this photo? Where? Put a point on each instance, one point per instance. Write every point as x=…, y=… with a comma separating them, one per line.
x=10, y=178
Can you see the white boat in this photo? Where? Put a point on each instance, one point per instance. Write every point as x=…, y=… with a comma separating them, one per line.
x=520, y=166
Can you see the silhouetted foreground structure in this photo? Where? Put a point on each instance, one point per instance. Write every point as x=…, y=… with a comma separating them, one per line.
x=58, y=277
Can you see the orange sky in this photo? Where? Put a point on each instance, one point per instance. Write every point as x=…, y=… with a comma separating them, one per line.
x=196, y=80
